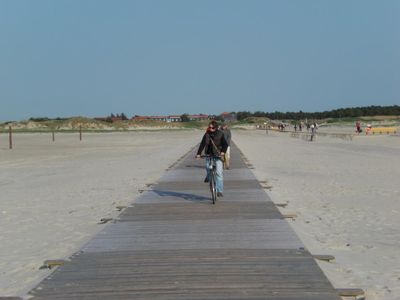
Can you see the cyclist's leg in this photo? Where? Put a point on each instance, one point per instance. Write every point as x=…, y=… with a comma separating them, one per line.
x=219, y=175
x=208, y=167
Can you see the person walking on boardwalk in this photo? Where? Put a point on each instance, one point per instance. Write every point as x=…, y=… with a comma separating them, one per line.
x=228, y=136
x=214, y=144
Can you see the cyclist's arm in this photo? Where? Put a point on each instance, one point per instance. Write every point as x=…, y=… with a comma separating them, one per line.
x=201, y=147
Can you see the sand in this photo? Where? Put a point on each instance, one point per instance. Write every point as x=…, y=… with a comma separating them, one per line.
x=345, y=193
x=54, y=194
x=347, y=198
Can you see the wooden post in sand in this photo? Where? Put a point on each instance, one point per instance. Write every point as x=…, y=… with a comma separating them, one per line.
x=10, y=136
x=80, y=132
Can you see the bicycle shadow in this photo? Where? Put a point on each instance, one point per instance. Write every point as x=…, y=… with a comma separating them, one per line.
x=194, y=166
x=186, y=196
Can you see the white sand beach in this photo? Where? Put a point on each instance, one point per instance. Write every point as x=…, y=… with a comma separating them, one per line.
x=54, y=194
x=345, y=193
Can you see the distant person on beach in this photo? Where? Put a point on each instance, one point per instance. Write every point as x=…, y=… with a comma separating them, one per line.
x=368, y=130
x=312, y=127
x=228, y=136
x=214, y=143
x=358, y=127
x=295, y=127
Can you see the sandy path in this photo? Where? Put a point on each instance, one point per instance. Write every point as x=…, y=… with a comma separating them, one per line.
x=347, y=197
x=54, y=194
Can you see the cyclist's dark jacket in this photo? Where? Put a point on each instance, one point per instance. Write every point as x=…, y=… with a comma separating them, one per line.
x=219, y=141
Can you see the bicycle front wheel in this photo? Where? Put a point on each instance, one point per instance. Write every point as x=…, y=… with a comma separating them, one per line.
x=213, y=189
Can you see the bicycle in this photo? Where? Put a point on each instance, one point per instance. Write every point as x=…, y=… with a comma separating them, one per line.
x=212, y=176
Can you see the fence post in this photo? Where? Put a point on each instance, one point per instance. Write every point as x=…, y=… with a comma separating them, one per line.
x=10, y=137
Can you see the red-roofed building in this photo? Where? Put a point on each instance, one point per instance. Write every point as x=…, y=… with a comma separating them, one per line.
x=173, y=118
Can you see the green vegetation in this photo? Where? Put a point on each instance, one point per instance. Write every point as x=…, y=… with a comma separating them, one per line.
x=341, y=113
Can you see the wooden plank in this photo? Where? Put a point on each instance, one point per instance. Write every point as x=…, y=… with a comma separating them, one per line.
x=51, y=263
x=201, y=196
x=200, y=211
x=196, y=234
x=350, y=292
x=283, y=273
x=200, y=185
x=324, y=257
x=198, y=174
x=289, y=216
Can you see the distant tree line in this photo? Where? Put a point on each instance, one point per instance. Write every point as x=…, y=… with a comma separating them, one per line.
x=42, y=119
x=113, y=117
x=336, y=113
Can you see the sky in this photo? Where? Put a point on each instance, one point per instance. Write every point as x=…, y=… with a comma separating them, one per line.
x=93, y=57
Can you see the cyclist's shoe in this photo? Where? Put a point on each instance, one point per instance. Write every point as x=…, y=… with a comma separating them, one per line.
x=219, y=194
x=206, y=179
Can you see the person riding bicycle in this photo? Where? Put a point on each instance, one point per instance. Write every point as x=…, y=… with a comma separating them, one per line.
x=215, y=145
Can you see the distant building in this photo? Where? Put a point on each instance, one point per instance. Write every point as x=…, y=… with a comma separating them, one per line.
x=199, y=117
x=114, y=119
x=227, y=116
x=173, y=118
x=154, y=118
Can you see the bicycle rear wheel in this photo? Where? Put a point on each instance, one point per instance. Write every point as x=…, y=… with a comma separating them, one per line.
x=213, y=188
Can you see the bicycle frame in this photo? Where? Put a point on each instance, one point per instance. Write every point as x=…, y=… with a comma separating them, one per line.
x=211, y=164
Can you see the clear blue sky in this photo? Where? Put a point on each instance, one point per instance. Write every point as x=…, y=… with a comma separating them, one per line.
x=93, y=57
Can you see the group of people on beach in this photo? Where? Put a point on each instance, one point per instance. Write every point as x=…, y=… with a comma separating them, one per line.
x=216, y=145
x=311, y=127
x=368, y=129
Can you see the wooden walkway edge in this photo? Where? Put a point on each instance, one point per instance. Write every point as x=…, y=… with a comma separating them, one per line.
x=172, y=243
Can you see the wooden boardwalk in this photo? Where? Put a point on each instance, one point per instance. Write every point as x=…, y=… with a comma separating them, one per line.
x=172, y=243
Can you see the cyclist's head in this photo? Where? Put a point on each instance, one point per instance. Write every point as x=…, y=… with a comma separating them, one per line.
x=213, y=125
